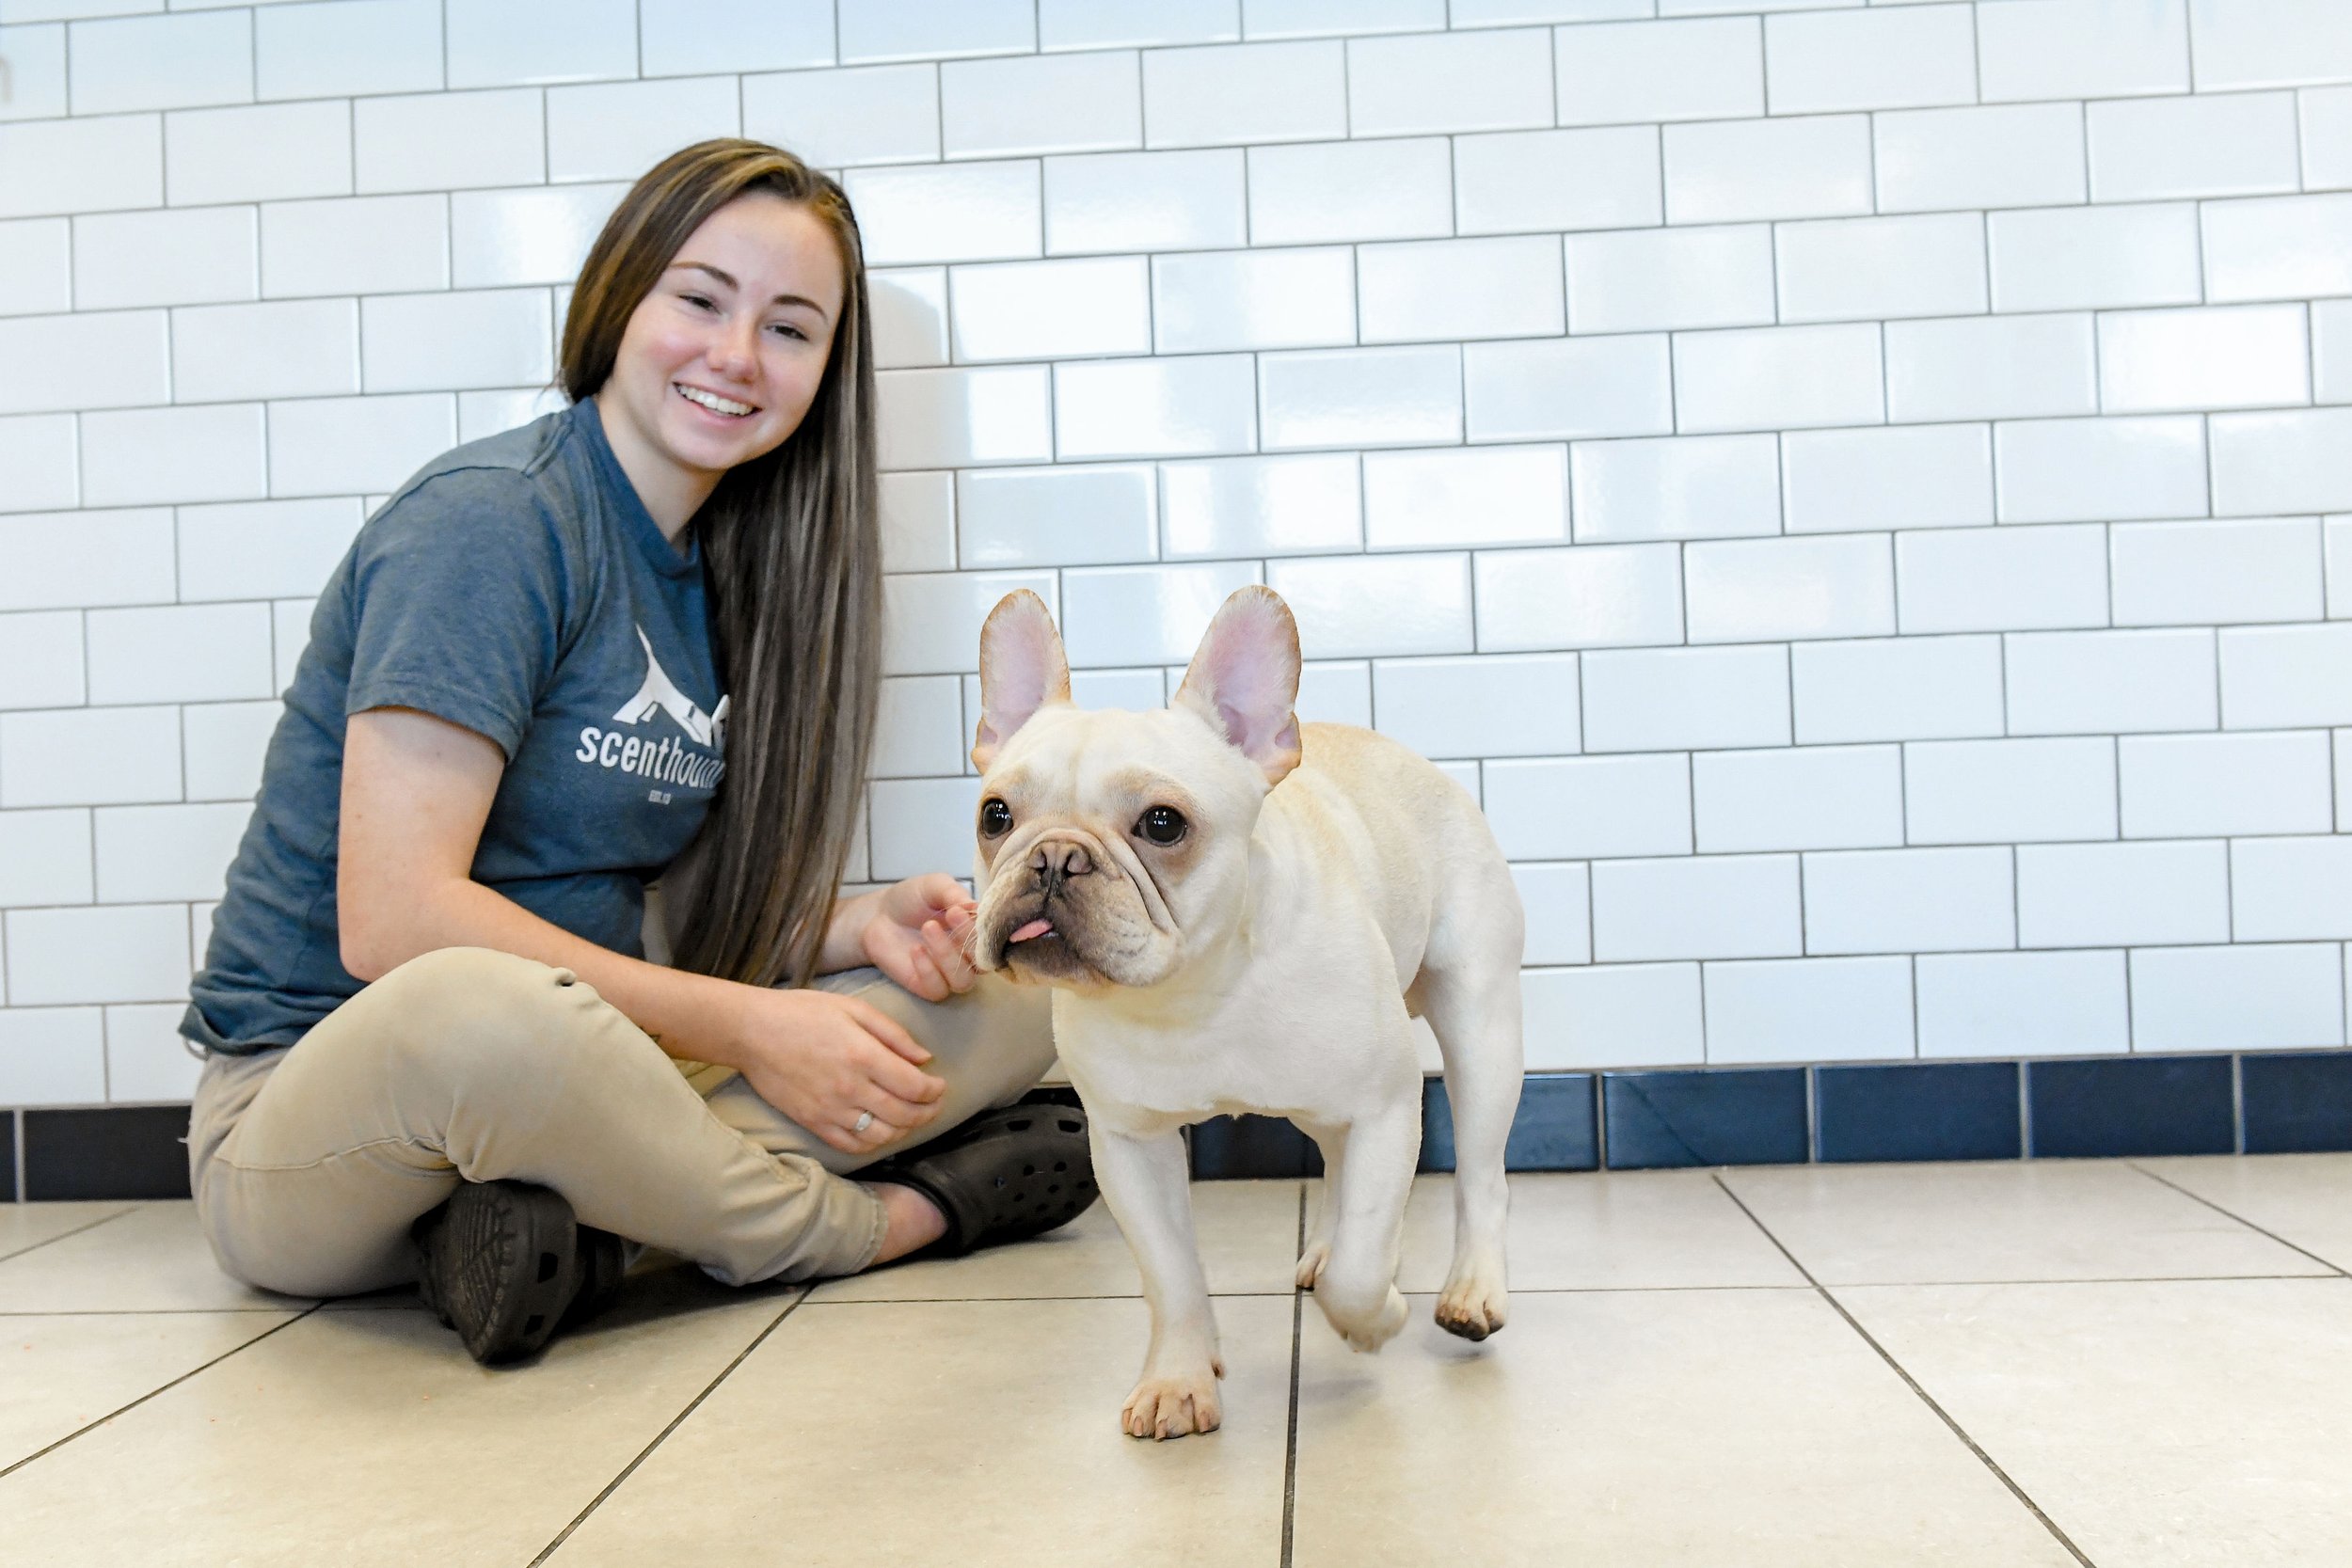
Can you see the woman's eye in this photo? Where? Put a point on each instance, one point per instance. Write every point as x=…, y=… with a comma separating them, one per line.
x=995, y=817
x=787, y=329
x=700, y=302
x=1161, y=824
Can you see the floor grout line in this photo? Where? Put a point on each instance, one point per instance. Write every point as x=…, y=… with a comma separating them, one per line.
x=1623, y=1289
x=2332, y=1273
x=1113, y=1295
x=61, y=1235
x=157, y=1311
x=2330, y=1266
x=8, y=1471
x=680, y=1420
x=1290, y=1439
x=1899, y=1371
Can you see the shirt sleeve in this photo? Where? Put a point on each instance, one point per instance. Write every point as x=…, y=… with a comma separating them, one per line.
x=458, y=599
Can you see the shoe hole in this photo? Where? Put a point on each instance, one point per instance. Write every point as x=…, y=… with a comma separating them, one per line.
x=1028, y=1170
x=1061, y=1165
x=1019, y=1126
x=530, y=1326
x=1000, y=1182
x=546, y=1267
x=1072, y=1126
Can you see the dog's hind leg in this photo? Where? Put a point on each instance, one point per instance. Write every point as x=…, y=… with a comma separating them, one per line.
x=1333, y=1143
x=1469, y=989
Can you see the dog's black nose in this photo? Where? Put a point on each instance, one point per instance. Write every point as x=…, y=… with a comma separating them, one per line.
x=1055, y=861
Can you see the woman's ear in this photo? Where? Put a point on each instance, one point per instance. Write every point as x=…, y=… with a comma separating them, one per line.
x=1244, y=678
x=1022, y=669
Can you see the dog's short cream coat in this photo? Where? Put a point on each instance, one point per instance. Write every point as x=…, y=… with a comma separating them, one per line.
x=1328, y=886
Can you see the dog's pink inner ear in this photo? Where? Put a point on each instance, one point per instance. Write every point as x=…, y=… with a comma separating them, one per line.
x=1022, y=669
x=1244, y=679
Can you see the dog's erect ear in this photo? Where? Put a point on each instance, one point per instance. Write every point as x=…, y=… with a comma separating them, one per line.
x=1244, y=678
x=1022, y=669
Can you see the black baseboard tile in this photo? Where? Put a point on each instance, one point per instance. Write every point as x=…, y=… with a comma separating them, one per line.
x=1235, y=1149
x=105, y=1151
x=7, y=1156
x=2297, y=1101
x=2097, y=1107
x=1916, y=1111
x=1737, y=1116
x=1554, y=1128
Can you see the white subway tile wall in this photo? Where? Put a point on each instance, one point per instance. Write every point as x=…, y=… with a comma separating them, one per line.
x=1862, y=493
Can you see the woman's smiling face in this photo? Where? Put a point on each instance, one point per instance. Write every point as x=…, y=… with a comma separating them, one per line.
x=719, y=362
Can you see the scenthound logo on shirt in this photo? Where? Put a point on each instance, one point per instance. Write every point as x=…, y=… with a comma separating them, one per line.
x=668, y=760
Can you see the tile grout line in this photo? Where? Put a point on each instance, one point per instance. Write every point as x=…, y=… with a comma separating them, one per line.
x=61, y=1235
x=12, y=1469
x=1912, y=1383
x=202, y=1311
x=1290, y=1440
x=680, y=1420
x=2331, y=1267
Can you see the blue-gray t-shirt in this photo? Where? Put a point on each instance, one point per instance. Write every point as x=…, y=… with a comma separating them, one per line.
x=517, y=586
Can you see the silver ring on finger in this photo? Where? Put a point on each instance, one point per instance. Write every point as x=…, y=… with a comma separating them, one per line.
x=864, y=1120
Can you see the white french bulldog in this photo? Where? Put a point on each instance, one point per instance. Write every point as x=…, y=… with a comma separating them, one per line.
x=1237, y=915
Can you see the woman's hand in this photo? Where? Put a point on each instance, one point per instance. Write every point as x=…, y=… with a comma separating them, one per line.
x=921, y=935
x=826, y=1060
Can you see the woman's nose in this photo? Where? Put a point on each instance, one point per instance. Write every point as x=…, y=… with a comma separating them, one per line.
x=734, y=351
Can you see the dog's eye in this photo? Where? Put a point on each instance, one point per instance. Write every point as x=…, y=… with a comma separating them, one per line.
x=1161, y=824
x=995, y=817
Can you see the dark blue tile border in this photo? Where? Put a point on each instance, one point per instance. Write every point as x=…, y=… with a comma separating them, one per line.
x=1235, y=1148
x=1553, y=1131
x=1740, y=1116
x=111, y=1152
x=1916, y=1111
x=2293, y=1100
x=2297, y=1103
x=2104, y=1106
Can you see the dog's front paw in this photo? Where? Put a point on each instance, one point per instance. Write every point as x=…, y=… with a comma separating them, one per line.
x=1366, y=1331
x=1163, y=1407
x=1472, y=1307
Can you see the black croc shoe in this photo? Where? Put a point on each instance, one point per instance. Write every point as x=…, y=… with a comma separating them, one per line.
x=505, y=1265
x=1004, y=1176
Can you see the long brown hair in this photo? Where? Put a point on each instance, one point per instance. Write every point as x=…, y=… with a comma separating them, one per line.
x=795, y=566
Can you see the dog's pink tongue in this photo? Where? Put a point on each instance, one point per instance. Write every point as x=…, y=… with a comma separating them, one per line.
x=1034, y=929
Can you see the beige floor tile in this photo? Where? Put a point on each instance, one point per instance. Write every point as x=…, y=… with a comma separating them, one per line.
x=1640, y=1430
x=32, y=1224
x=152, y=1259
x=2015, y=1220
x=2160, y=1424
x=1605, y=1231
x=1248, y=1230
x=2297, y=1198
x=973, y=1434
x=64, y=1373
x=369, y=1437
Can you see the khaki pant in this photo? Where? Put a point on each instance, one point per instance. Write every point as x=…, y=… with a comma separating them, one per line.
x=310, y=1162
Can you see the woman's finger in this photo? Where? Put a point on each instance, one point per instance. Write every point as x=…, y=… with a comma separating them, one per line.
x=942, y=892
x=930, y=984
x=887, y=1107
x=886, y=1029
x=946, y=955
x=918, y=1091
x=873, y=1134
